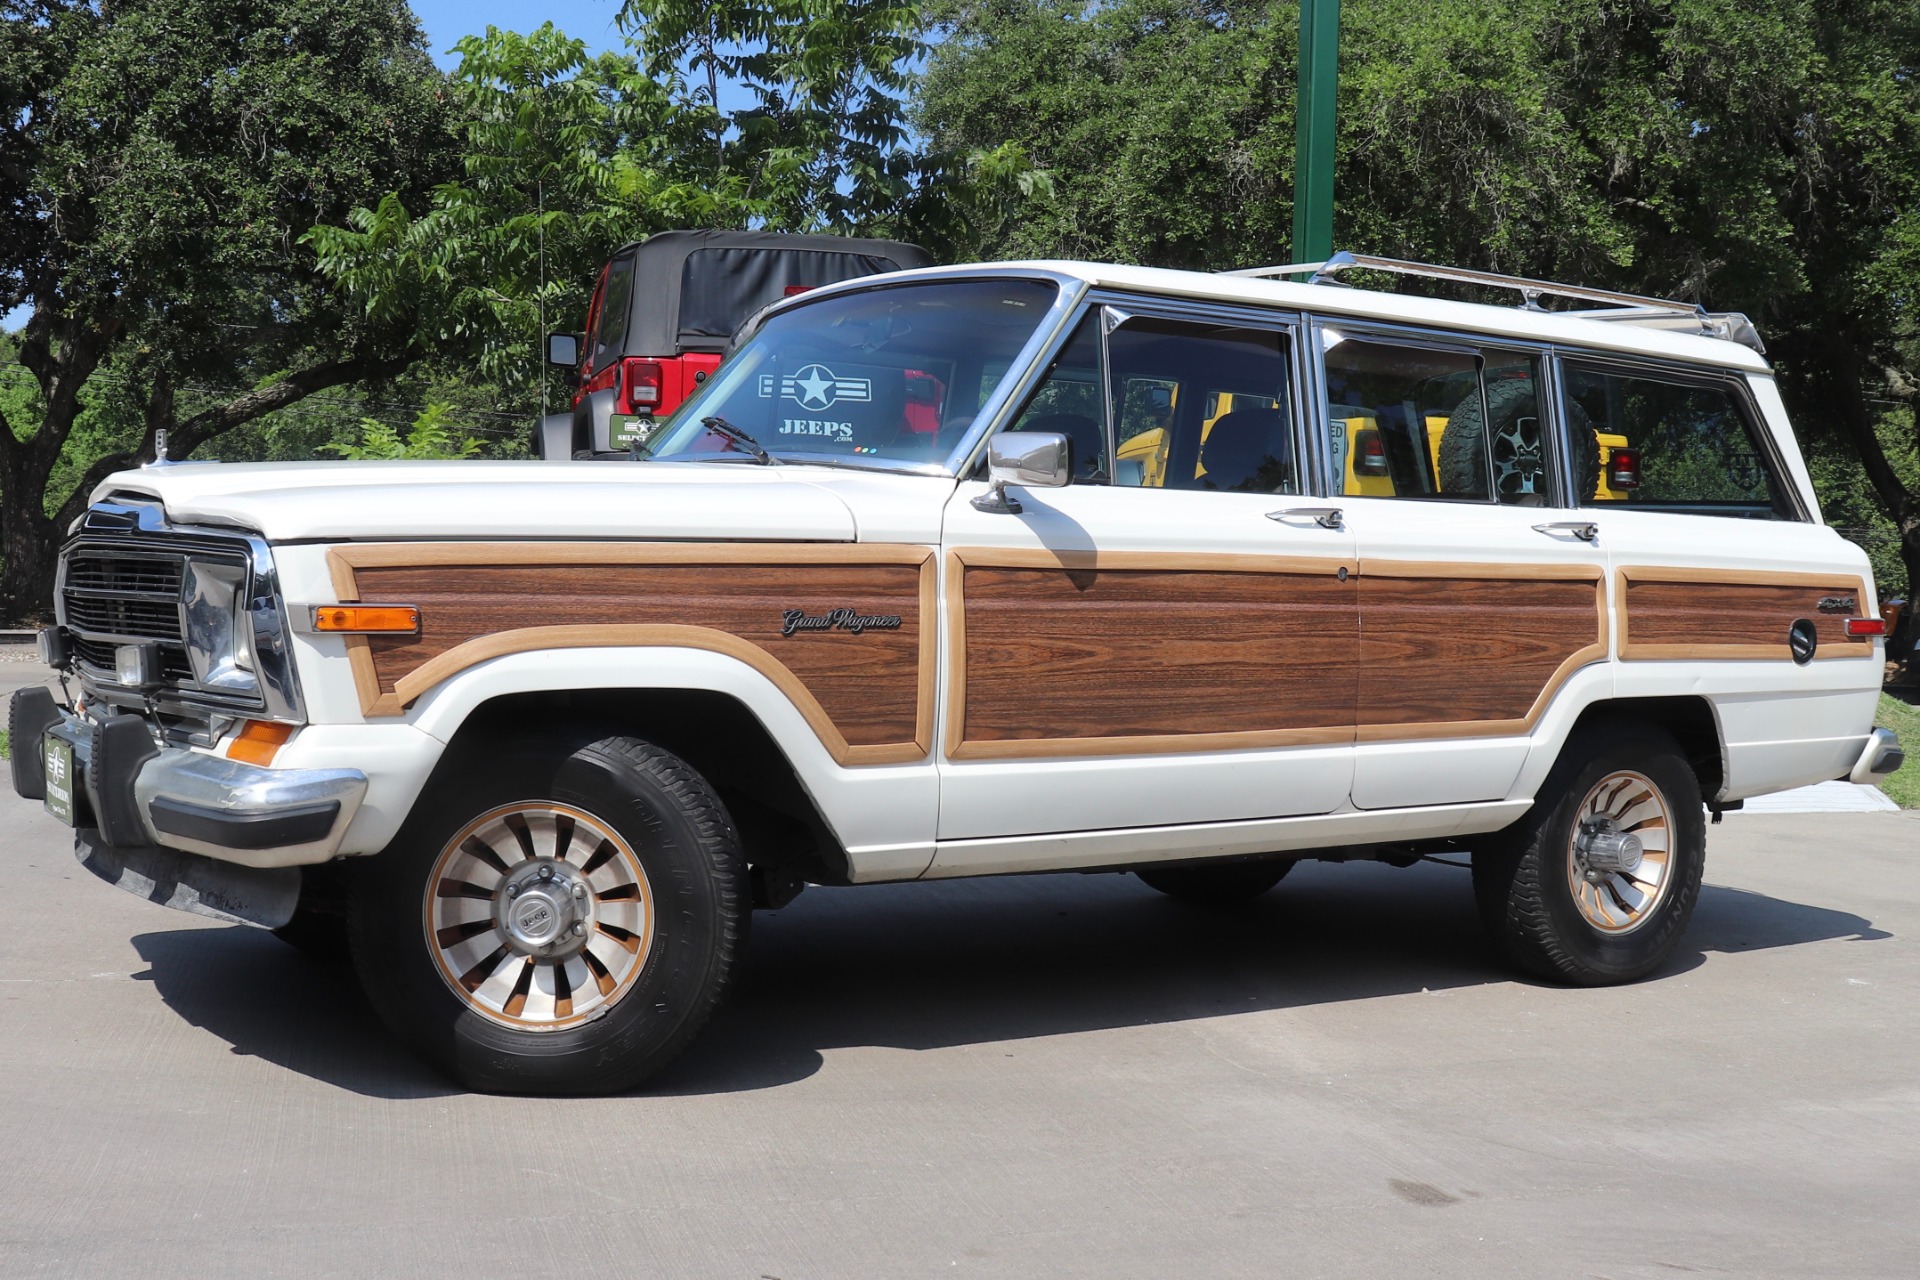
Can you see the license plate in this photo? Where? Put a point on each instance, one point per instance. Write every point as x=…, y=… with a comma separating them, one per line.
x=57, y=754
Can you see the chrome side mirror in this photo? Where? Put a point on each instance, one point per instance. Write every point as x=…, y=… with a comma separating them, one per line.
x=1032, y=459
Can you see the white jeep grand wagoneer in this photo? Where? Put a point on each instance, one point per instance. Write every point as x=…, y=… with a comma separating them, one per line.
x=971, y=571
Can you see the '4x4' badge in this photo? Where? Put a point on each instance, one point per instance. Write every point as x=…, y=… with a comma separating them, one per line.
x=816, y=387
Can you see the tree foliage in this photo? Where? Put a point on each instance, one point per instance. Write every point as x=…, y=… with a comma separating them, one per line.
x=567, y=157
x=159, y=160
x=1762, y=157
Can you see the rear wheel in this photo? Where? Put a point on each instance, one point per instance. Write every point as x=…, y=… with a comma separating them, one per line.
x=1217, y=885
x=1596, y=884
x=557, y=922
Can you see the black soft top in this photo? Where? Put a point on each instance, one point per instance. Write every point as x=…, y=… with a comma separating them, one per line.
x=692, y=289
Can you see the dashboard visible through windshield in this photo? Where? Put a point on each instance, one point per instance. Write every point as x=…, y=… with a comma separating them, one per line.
x=885, y=374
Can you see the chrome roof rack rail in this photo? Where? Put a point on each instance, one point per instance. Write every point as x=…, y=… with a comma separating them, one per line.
x=1632, y=308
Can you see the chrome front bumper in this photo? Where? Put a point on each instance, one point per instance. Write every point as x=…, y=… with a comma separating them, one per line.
x=137, y=794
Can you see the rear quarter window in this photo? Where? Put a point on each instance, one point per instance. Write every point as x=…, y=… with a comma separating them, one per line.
x=1651, y=440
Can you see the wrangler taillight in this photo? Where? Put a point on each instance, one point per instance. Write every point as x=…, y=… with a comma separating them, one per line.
x=1623, y=469
x=640, y=384
x=1866, y=626
x=1369, y=453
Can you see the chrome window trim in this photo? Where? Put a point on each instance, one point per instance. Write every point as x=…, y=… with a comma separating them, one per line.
x=1464, y=342
x=1116, y=309
x=1732, y=381
x=110, y=523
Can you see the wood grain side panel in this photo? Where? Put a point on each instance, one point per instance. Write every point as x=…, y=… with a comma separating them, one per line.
x=1734, y=619
x=872, y=686
x=1078, y=656
x=1459, y=650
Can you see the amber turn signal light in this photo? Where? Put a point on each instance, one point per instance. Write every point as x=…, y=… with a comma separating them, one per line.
x=366, y=619
x=1866, y=626
x=259, y=741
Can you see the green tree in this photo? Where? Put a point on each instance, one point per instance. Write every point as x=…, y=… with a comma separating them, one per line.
x=159, y=160
x=567, y=157
x=1762, y=157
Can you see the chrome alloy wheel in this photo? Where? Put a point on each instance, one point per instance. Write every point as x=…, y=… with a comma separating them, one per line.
x=1619, y=861
x=538, y=916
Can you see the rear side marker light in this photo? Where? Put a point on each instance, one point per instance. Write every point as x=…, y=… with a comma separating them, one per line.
x=258, y=742
x=366, y=619
x=1866, y=626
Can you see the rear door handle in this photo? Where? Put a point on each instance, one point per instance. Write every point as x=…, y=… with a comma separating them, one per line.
x=1325, y=517
x=1585, y=530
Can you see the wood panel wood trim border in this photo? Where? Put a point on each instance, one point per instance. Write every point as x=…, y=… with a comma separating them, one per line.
x=1626, y=575
x=342, y=563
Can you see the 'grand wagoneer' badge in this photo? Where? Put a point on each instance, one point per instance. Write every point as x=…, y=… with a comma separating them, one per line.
x=794, y=620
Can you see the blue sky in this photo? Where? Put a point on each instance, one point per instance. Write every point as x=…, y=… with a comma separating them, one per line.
x=445, y=21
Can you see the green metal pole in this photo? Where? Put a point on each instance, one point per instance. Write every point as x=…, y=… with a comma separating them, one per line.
x=1313, y=148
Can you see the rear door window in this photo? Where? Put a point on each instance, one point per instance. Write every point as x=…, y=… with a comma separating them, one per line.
x=1654, y=441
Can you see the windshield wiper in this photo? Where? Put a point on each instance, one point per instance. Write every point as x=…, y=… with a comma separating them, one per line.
x=727, y=431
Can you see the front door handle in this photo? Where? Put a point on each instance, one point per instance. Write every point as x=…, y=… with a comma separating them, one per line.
x=1585, y=530
x=1325, y=517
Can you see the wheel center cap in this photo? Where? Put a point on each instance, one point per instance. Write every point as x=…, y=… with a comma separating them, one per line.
x=544, y=910
x=537, y=917
x=1606, y=851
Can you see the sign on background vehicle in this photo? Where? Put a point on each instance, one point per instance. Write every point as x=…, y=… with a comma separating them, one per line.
x=665, y=310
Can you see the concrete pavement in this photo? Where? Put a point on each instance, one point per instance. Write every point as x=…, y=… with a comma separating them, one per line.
x=1058, y=1076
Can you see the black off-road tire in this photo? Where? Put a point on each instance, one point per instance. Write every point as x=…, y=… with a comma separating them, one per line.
x=1524, y=877
x=1219, y=884
x=1463, y=458
x=670, y=828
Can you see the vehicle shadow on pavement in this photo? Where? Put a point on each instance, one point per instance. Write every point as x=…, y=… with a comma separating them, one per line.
x=969, y=962
x=938, y=965
x=272, y=1002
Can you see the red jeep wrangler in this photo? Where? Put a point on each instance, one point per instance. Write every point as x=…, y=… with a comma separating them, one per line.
x=665, y=310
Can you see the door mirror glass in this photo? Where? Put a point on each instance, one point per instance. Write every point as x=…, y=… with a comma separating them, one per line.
x=563, y=350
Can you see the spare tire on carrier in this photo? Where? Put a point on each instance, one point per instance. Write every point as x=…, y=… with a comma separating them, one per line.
x=1517, y=446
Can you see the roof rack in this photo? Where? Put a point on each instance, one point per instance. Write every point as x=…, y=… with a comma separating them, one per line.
x=1631, y=308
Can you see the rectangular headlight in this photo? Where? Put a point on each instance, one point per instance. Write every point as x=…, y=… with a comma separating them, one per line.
x=219, y=631
x=137, y=666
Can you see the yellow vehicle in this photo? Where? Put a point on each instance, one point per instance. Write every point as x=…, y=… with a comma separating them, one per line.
x=1360, y=447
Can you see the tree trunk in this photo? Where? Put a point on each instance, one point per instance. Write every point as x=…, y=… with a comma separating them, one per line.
x=29, y=537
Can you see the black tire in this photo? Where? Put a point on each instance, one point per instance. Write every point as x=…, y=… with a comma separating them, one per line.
x=1219, y=884
x=317, y=933
x=319, y=924
x=1524, y=879
x=1520, y=467
x=632, y=810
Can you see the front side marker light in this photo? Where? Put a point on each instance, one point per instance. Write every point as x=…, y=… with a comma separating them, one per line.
x=366, y=619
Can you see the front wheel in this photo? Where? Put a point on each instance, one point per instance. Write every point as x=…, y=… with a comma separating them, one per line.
x=1596, y=883
x=554, y=922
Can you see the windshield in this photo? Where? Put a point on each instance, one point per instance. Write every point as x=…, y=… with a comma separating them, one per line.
x=894, y=374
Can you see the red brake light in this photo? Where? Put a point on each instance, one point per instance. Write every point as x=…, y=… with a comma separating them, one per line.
x=641, y=382
x=1866, y=626
x=792, y=289
x=1623, y=469
x=1369, y=453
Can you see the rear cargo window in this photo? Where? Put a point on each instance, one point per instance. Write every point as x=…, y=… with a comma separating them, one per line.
x=1649, y=442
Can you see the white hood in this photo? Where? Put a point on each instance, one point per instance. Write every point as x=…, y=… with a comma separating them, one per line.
x=580, y=500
